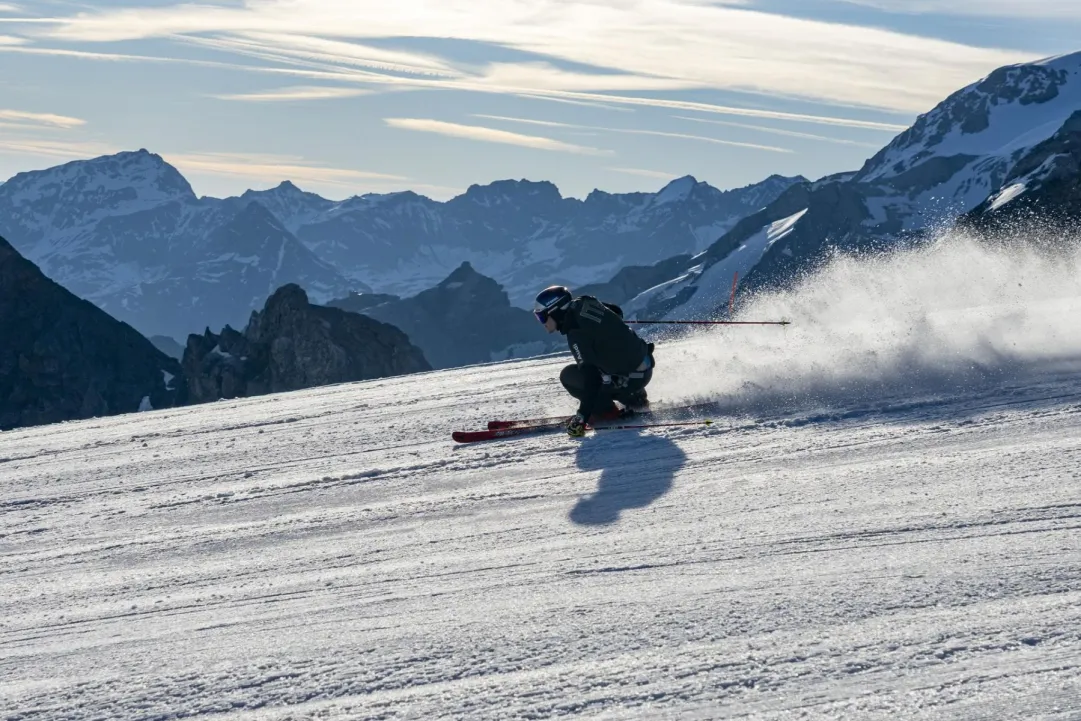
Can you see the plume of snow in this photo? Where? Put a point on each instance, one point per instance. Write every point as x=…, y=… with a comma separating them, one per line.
x=914, y=324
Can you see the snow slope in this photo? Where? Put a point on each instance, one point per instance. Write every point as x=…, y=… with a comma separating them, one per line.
x=710, y=292
x=883, y=523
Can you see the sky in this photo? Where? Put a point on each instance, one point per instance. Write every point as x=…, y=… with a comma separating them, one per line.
x=345, y=97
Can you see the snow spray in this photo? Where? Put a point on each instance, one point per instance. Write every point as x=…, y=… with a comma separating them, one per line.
x=951, y=314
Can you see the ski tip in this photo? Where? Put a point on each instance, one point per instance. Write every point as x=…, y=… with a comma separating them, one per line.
x=472, y=436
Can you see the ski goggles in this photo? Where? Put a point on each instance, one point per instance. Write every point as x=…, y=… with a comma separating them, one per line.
x=541, y=315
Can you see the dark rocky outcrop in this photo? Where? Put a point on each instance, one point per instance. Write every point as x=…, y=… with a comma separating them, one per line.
x=62, y=358
x=293, y=344
x=465, y=319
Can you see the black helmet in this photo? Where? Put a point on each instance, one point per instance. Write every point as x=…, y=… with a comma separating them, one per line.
x=554, y=298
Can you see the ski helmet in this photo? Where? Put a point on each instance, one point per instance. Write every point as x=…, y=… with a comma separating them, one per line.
x=553, y=298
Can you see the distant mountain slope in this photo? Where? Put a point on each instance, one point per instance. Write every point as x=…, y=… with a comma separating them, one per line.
x=1012, y=128
x=465, y=319
x=62, y=358
x=238, y=266
x=127, y=232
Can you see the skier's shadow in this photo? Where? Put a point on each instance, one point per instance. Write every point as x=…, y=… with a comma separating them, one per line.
x=637, y=470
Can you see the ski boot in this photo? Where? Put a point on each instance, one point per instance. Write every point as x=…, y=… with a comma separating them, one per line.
x=611, y=412
x=635, y=402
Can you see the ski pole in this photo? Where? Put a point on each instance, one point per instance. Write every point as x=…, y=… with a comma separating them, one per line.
x=642, y=426
x=708, y=322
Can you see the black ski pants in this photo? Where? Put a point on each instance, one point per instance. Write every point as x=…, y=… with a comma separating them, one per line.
x=585, y=383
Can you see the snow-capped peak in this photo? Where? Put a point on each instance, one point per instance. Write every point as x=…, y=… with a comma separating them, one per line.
x=132, y=179
x=291, y=205
x=1012, y=109
x=676, y=191
x=503, y=192
x=49, y=206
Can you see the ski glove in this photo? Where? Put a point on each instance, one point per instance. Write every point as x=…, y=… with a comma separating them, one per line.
x=576, y=426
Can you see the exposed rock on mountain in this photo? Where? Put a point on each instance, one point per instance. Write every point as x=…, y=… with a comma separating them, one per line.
x=465, y=319
x=62, y=358
x=127, y=233
x=293, y=344
x=980, y=146
x=1041, y=197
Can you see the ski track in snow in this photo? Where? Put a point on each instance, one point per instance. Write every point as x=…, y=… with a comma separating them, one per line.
x=331, y=554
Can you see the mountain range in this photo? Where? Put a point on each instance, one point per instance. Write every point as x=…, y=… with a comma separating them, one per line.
x=128, y=233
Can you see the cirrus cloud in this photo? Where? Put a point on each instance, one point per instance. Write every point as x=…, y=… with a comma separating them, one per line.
x=302, y=92
x=1069, y=9
x=266, y=167
x=678, y=43
x=490, y=135
x=51, y=120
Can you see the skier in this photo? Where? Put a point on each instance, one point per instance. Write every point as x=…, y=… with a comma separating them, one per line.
x=611, y=362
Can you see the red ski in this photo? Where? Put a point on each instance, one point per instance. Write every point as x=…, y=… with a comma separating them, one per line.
x=528, y=422
x=477, y=436
x=552, y=421
x=494, y=434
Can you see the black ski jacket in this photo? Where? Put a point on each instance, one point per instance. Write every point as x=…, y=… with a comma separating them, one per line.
x=598, y=337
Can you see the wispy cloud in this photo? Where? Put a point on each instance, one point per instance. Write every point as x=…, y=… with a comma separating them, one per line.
x=527, y=121
x=327, y=53
x=581, y=103
x=490, y=135
x=1069, y=9
x=641, y=45
x=348, y=72
x=54, y=149
x=705, y=139
x=642, y=172
x=778, y=131
x=564, y=96
x=274, y=168
x=47, y=119
x=9, y=8
x=636, y=131
x=11, y=40
x=332, y=75
x=711, y=108
x=545, y=76
x=302, y=92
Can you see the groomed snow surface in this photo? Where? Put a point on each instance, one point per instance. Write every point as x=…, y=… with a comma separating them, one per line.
x=884, y=523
